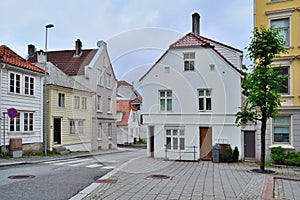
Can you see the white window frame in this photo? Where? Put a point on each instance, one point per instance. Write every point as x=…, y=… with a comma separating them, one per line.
x=80, y=126
x=15, y=83
x=28, y=122
x=15, y=123
x=77, y=102
x=283, y=144
x=24, y=122
x=109, y=130
x=109, y=104
x=189, y=58
x=289, y=82
x=163, y=100
x=72, y=126
x=100, y=77
x=99, y=130
x=99, y=103
x=205, y=98
x=175, y=138
x=29, y=86
x=61, y=100
x=84, y=103
x=280, y=15
x=108, y=80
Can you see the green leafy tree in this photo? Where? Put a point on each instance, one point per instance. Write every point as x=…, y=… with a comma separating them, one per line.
x=262, y=83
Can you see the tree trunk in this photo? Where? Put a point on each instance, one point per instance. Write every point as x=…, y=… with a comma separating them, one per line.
x=263, y=142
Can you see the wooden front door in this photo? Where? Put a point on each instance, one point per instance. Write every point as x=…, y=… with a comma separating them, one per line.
x=57, y=131
x=249, y=144
x=205, y=143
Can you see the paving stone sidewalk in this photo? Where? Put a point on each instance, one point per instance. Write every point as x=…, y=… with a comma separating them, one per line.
x=147, y=178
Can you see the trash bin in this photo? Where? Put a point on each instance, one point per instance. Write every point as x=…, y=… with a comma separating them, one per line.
x=216, y=153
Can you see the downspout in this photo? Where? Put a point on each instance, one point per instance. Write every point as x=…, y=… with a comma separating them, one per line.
x=254, y=14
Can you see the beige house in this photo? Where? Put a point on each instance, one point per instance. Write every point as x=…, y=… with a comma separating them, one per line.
x=69, y=111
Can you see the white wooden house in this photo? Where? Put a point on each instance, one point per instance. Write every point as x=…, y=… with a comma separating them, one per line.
x=20, y=88
x=190, y=98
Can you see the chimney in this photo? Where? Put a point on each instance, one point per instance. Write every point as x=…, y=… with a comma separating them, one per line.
x=41, y=56
x=31, y=50
x=196, y=23
x=78, y=46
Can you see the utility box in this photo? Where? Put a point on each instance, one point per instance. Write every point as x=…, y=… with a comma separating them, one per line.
x=15, y=147
x=216, y=153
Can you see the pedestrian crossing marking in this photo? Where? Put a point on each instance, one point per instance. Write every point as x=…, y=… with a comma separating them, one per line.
x=82, y=162
x=94, y=165
x=73, y=161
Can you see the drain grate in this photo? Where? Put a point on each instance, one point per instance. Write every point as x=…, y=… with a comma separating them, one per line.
x=159, y=176
x=21, y=176
x=111, y=181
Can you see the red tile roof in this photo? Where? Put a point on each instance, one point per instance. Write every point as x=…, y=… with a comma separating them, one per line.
x=125, y=107
x=67, y=62
x=10, y=57
x=190, y=40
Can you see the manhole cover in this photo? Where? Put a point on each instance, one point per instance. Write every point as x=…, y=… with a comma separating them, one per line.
x=111, y=181
x=21, y=176
x=159, y=176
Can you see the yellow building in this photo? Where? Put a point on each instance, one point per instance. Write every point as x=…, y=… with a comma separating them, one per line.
x=284, y=15
x=69, y=112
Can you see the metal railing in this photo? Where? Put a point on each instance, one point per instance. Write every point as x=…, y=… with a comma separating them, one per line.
x=180, y=150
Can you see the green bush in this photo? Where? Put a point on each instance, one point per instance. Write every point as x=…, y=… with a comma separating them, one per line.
x=229, y=155
x=236, y=154
x=279, y=156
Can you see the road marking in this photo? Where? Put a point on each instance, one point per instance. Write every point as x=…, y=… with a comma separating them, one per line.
x=94, y=165
x=74, y=161
x=83, y=162
x=108, y=167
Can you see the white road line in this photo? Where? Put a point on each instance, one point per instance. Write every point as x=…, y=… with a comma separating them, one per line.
x=94, y=165
x=82, y=163
x=73, y=161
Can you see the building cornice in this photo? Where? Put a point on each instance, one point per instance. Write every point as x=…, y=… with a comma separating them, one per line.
x=288, y=10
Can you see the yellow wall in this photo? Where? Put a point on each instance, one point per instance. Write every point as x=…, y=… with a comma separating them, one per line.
x=261, y=18
x=66, y=113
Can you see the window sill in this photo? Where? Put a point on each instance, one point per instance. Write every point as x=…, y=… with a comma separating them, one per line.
x=289, y=47
x=285, y=146
x=110, y=138
x=99, y=139
x=109, y=113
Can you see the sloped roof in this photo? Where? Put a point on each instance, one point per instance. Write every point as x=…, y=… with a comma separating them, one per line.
x=68, y=62
x=193, y=40
x=59, y=78
x=10, y=57
x=123, y=83
x=125, y=107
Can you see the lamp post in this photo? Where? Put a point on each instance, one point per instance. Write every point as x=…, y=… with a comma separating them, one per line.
x=45, y=87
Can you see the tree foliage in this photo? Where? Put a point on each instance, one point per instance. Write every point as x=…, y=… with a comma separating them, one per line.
x=262, y=83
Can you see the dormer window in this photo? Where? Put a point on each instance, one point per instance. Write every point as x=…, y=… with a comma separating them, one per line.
x=189, y=61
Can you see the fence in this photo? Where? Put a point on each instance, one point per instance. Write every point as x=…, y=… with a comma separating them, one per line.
x=179, y=150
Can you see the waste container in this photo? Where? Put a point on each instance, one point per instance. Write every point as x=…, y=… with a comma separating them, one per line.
x=15, y=147
x=216, y=153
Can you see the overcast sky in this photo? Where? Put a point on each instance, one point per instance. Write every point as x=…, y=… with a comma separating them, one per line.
x=137, y=31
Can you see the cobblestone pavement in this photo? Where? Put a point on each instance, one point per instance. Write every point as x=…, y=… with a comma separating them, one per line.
x=147, y=178
x=287, y=189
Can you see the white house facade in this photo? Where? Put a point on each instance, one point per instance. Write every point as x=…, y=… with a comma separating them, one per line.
x=20, y=88
x=190, y=98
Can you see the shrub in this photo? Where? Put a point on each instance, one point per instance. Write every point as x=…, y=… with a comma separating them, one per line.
x=229, y=155
x=236, y=154
x=277, y=155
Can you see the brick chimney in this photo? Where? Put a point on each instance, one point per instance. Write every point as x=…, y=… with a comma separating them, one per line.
x=78, y=46
x=196, y=23
x=31, y=50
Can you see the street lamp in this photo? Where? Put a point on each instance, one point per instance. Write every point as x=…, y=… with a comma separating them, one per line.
x=45, y=87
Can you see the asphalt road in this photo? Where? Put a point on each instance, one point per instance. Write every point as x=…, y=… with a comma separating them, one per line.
x=59, y=179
